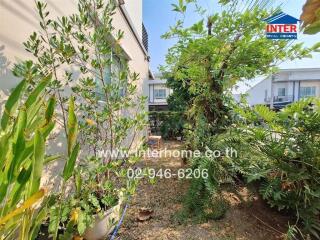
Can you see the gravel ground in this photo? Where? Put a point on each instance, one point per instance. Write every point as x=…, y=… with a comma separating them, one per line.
x=248, y=217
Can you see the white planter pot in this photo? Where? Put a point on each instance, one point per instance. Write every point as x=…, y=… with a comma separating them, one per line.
x=102, y=227
x=179, y=138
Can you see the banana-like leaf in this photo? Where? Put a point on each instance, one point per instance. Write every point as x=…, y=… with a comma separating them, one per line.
x=38, y=91
x=34, y=115
x=20, y=125
x=50, y=109
x=72, y=126
x=45, y=131
x=20, y=185
x=37, y=163
x=24, y=130
x=17, y=157
x=11, y=103
x=69, y=166
x=4, y=147
x=26, y=205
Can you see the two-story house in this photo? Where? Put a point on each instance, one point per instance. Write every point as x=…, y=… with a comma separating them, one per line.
x=158, y=93
x=285, y=87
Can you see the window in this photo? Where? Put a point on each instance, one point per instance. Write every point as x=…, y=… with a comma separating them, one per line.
x=281, y=92
x=160, y=94
x=307, y=92
x=112, y=75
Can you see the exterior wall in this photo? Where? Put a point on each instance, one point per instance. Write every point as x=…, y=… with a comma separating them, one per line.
x=257, y=94
x=18, y=19
x=288, y=86
x=312, y=84
x=134, y=8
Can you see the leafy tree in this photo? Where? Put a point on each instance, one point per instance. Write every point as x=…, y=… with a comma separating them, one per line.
x=208, y=59
x=218, y=51
x=84, y=55
x=180, y=97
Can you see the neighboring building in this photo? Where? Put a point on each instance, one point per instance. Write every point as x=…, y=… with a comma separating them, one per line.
x=285, y=87
x=158, y=94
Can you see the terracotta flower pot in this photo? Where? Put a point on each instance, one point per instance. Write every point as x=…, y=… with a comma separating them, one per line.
x=104, y=225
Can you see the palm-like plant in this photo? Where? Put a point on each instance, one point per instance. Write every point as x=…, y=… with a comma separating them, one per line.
x=283, y=152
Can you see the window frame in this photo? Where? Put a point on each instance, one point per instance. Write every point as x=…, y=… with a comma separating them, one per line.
x=157, y=96
x=109, y=76
x=282, y=92
x=305, y=93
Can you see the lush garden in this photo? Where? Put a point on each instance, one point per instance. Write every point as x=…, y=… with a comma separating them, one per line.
x=278, y=151
x=80, y=89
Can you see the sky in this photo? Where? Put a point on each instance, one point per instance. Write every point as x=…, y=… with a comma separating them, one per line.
x=158, y=17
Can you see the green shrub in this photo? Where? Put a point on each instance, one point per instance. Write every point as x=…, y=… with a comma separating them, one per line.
x=283, y=152
x=168, y=123
x=203, y=197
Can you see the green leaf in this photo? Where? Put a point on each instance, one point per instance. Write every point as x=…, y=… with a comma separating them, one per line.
x=78, y=183
x=37, y=91
x=54, y=219
x=50, y=109
x=12, y=103
x=49, y=159
x=47, y=129
x=69, y=166
x=312, y=29
x=20, y=125
x=82, y=225
x=72, y=126
x=21, y=182
x=37, y=163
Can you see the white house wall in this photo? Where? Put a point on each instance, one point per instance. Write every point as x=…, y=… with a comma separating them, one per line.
x=291, y=80
x=19, y=18
x=134, y=8
x=256, y=95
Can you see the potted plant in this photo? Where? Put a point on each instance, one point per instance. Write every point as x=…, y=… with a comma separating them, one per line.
x=96, y=205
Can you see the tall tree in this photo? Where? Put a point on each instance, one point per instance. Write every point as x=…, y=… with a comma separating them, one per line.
x=218, y=51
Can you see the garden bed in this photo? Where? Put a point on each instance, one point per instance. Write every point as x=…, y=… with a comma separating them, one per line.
x=247, y=217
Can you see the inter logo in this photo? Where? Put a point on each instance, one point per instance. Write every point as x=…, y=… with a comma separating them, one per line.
x=282, y=26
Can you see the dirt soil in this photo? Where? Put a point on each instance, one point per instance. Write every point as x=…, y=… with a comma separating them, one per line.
x=248, y=217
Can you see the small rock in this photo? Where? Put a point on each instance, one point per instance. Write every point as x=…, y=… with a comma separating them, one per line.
x=144, y=214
